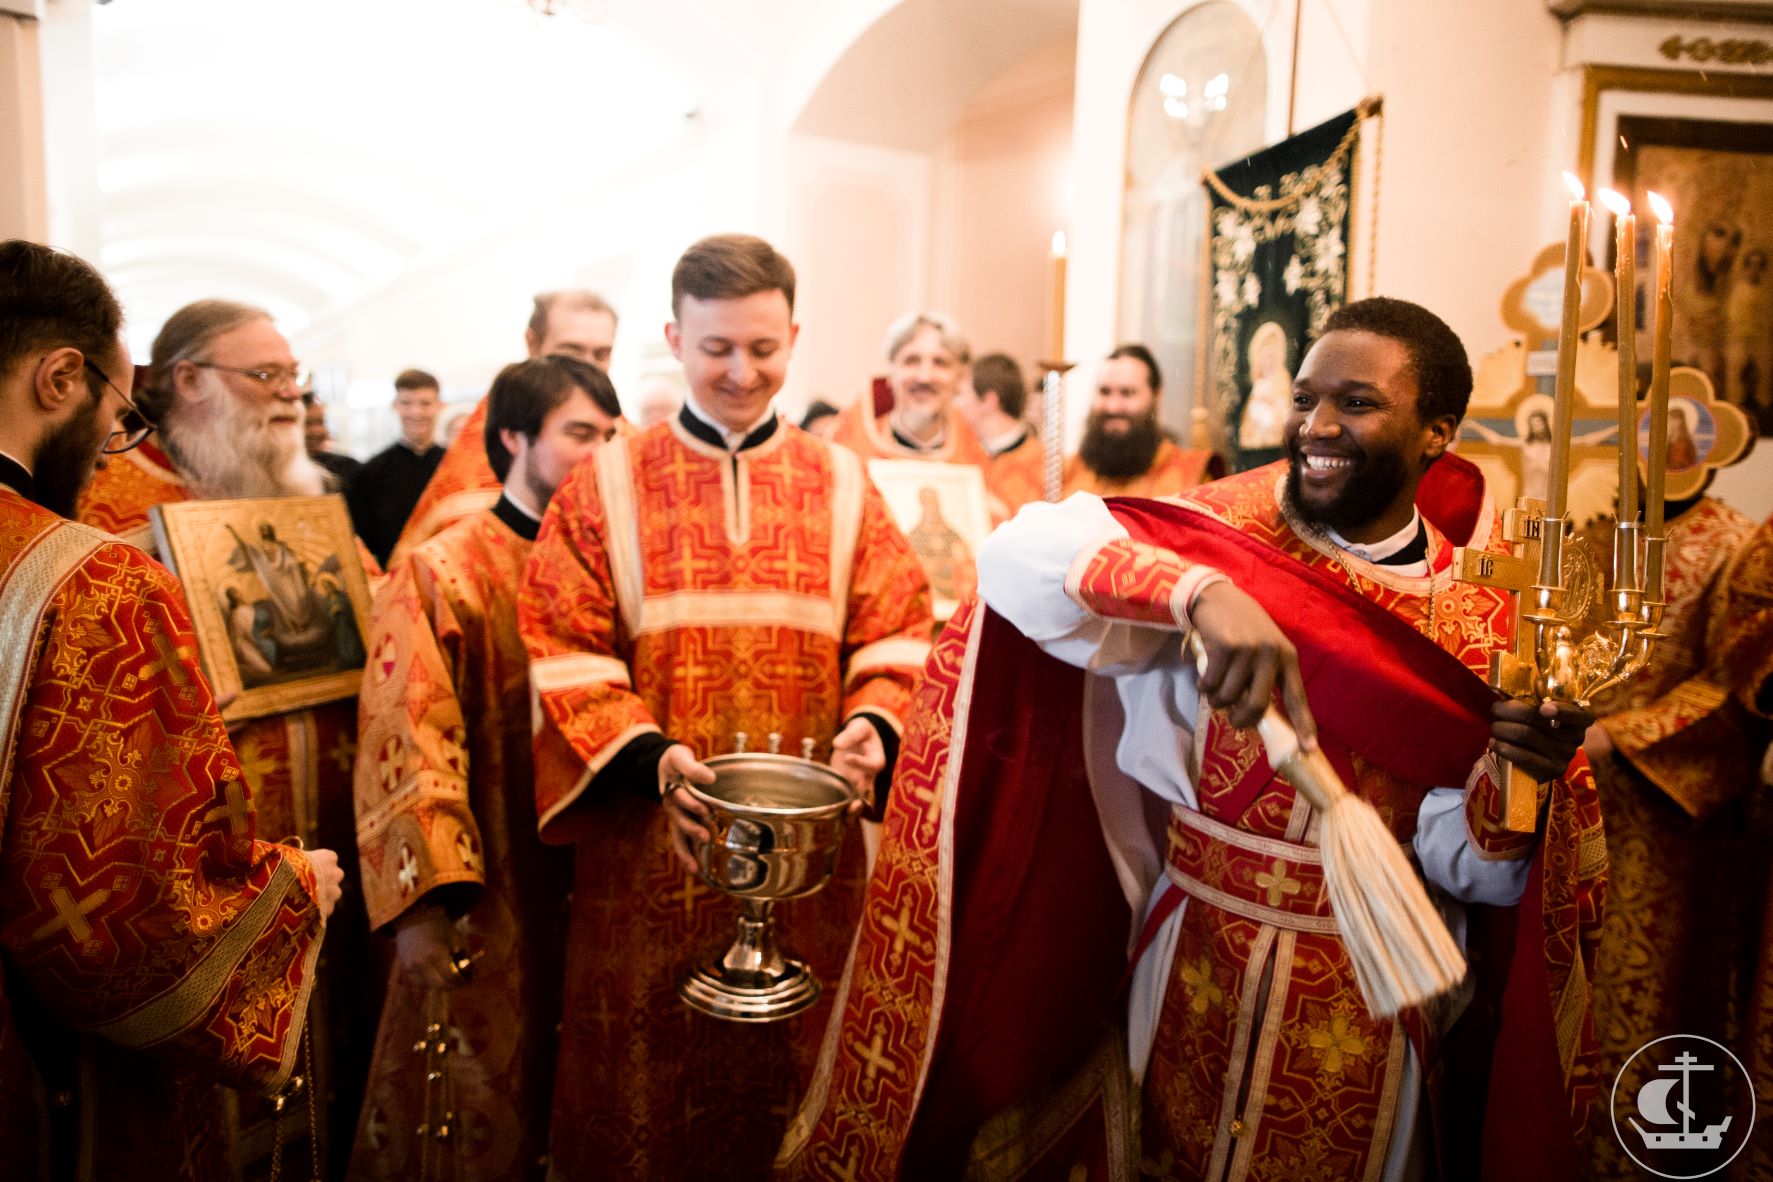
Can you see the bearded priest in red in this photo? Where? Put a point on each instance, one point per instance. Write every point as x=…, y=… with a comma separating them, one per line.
x=153, y=947
x=1094, y=894
x=225, y=391
x=719, y=573
x=446, y=818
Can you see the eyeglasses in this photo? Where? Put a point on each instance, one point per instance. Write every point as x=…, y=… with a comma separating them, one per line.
x=273, y=378
x=133, y=427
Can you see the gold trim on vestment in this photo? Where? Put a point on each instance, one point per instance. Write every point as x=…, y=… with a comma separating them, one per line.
x=957, y=745
x=179, y=1008
x=895, y=652
x=1240, y=1045
x=734, y=609
x=621, y=530
x=452, y=509
x=28, y=585
x=848, y=483
x=428, y=784
x=606, y=753
x=564, y=671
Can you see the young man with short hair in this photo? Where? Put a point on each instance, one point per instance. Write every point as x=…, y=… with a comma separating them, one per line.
x=382, y=495
x=716, y=574
x=446, y=817
x=994, y=403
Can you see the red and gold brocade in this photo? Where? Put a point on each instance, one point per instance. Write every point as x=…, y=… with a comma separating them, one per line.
x=676, y=586
x=445, y=805
x=1173, y=470
x=1322, y=1076
x=1679, y=797
x=153, y=947
x=298, y=767
x=463, y=485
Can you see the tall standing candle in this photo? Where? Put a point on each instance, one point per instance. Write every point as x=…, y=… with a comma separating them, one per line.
x=1657, y=461
x=1625, y=275
x=1056, y=299
x=1564, y=395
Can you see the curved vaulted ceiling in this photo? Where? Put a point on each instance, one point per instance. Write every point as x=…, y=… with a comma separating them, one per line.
x=301, y=155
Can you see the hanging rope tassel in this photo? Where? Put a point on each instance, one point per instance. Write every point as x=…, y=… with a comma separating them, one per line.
x=1402, y=952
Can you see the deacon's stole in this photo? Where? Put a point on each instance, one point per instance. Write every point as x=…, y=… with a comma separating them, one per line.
x=680, y=588
x=462, y=486
x=445, y=811
x=885, y=1060
x=137, y=905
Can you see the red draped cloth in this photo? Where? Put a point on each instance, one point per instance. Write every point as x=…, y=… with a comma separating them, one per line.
x=995, y=934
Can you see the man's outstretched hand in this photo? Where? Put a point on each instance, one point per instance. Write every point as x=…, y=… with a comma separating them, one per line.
x=1248, y=656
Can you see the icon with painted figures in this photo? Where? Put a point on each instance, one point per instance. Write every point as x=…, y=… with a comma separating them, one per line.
x=1683, y=1106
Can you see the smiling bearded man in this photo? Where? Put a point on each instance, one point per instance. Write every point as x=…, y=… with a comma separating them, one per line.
x=1075, y=788
x=226, y=391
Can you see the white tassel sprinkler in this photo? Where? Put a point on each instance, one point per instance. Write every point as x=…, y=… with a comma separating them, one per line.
x=1402, y=952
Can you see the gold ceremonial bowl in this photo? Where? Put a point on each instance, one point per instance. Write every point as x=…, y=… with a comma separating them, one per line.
x=777, y=826
x=777, y=822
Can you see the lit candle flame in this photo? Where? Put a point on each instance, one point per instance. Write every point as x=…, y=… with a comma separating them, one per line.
x=1577, y=192
x=1615, y=202
x=1664, y=211
x=1058, y=244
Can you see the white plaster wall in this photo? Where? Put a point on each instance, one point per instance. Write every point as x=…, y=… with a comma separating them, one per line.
x=858, y=232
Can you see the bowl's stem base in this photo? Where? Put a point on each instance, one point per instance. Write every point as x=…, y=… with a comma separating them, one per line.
x=752, y=981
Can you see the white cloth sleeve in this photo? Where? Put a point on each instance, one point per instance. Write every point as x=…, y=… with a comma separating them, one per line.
x=1443, y=847
x=1022, y=572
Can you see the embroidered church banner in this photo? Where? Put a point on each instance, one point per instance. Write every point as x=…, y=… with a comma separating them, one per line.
x=1278, y=245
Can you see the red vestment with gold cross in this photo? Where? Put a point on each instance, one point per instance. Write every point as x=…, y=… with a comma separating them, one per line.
x=682, y=588
x=153, y=948
x=1678, y=795
x=298, y=765
x=446, y=814
x=979, y=1014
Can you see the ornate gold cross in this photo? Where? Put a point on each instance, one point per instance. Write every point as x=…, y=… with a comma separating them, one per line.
x=1512, y=671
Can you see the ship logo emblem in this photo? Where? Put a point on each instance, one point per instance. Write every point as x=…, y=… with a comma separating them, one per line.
x=1672, y=1093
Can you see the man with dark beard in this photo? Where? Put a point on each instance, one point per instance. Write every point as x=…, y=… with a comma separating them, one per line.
x=226, y=391
x=1124, y=452
x=1065, y=726
x=150, y=946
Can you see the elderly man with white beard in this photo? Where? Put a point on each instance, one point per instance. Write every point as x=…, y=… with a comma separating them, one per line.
x=225, y=389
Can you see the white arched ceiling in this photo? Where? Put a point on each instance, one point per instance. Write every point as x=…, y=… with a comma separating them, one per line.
x=903, y=81
x=302, y=155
